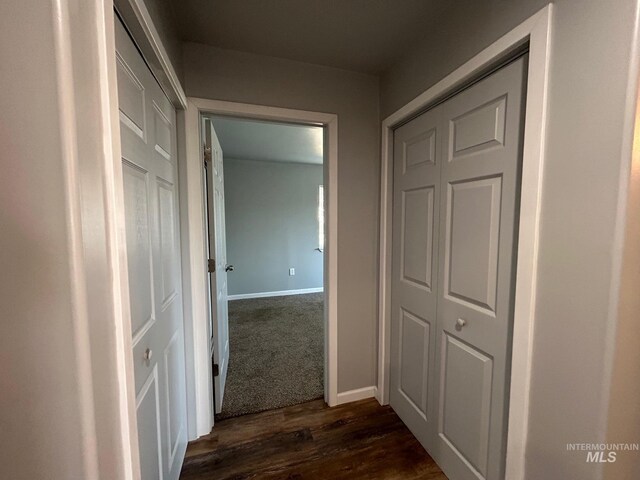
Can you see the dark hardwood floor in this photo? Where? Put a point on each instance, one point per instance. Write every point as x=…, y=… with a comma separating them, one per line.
x=360, y=440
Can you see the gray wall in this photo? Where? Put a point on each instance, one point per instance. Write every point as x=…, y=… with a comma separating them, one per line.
x=241, y=77
x=577, y=280
x=463, y=29
x=272, y=225
x=162, y=16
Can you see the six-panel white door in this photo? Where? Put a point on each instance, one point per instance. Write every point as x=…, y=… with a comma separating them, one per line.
x=147, y=126
x=476, y=172
x=219, y=306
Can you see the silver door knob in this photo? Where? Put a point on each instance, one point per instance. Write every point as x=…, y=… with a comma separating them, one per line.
x=147, y=355
x=460, y=323
x=228, y=268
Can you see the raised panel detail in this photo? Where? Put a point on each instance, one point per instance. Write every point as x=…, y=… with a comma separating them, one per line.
x=417, y=236
x=466, y=401
x=173, y=389
x=420, y=150
x=131, y=98
x=148, y=413
x=138, y=248
x=162, y=130
x=168, y=247
x=414, y=360
x=471, y=261
x=480, y=129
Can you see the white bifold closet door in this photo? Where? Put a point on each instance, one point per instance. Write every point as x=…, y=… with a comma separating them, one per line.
x=217, y=245
x=456, y=202
x=149, y=169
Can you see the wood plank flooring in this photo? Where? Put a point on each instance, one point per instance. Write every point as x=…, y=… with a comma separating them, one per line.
x=360, y=440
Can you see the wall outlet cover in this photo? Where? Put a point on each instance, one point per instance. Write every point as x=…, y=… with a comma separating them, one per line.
x=292, y=272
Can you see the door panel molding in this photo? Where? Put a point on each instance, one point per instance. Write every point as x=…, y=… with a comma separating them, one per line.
x=421, y=405
x=132, y=117
x=150, y=386
x=173, y=434
x=464, y=142
x=457, y=272
x=427, y=141
x=534, y=32
x=140, y=327
x=459, y=436
x=408, y=260
x=167, y=234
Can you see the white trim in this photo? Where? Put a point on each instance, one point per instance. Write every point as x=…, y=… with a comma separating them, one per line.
x=357, y=394
x=138, y=21
x=279, y=293
x=67, y=124
x=196, y=310
x=192, y=210
x=116, y=239
x=536, y=30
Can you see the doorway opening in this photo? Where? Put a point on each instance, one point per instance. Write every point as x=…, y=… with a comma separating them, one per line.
x=265, y=211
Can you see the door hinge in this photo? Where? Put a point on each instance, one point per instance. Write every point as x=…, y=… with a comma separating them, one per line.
x=211, y=265
x=207, y=155
x=216, y=370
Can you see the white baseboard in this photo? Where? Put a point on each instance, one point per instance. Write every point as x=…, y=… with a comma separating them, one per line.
x=357, y=394
x=280, y=293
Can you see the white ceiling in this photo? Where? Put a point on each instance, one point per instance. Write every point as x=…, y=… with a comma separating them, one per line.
x=362, y=35
x=269, y=141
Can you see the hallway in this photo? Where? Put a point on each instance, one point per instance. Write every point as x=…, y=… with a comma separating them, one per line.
x=463, y=201
x=360, y=440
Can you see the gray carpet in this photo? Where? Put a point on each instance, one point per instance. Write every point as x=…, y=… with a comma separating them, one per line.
x=276, y=353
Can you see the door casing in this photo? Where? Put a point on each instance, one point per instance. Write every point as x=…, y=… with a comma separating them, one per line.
x=199, y=393
x=535, y=33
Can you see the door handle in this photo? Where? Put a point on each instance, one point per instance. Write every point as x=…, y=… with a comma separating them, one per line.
x=228, y=268
x=460, y=323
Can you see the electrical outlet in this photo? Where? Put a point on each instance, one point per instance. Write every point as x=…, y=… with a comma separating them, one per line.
x=292, y=272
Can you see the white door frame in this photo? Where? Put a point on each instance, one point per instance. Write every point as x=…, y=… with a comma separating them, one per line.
x=535, y=31
x=194, y=239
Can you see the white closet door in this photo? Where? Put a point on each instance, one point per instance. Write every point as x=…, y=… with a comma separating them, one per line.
x=456, y=198
x=415, y=263
x=479, y=202
x=217, y=244
x=147, y=128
